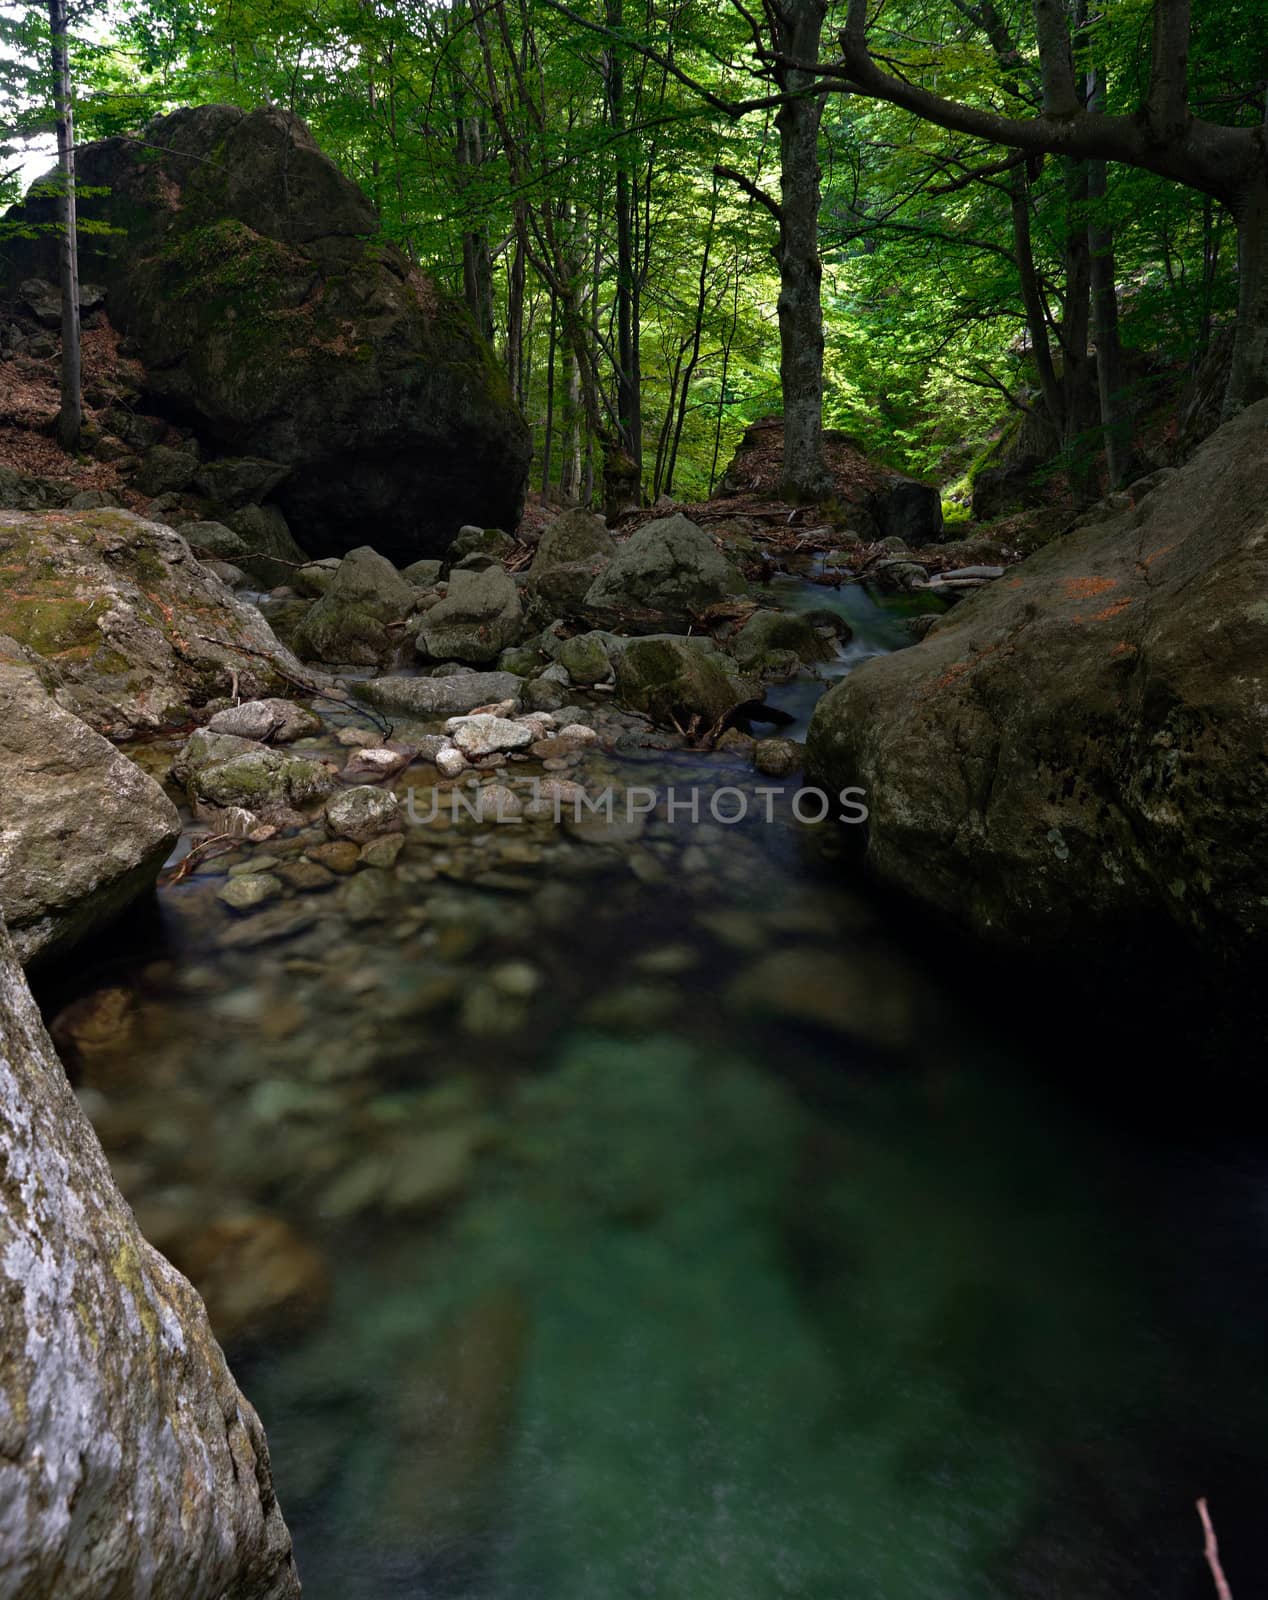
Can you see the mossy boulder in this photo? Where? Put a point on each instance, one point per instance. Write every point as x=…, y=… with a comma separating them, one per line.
x=478, y=619
x=768, y=637
x=83, y=831
x=140, y=632
x=673, y=682
x=247, y=272
x=1079, y=753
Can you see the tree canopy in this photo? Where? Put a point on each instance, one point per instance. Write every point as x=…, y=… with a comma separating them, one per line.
x=601, y=181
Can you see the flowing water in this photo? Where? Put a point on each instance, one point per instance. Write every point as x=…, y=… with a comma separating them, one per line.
x=631, y=1210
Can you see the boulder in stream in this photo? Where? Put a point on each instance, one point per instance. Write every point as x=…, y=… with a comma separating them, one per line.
x=83, y=831
x=131, y=1464
x=1081, y=749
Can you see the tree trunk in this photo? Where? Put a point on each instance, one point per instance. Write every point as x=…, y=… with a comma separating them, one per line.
x=1248, y=377
x=1032, y=302
x=800, y=270
x=628, y=399
x=1115, y=411
x=70, y=418
x=1076, y=374
x=477, y=259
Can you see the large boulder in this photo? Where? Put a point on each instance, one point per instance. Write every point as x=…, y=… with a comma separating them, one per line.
x=1081, y=750
x=247, y=271
x=140, y=633
x=83, y=831
x=131, y=1464
x=666, y=573
x=478, y=618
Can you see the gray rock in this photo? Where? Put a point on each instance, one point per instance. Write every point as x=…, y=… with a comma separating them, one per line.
x=672, y=683
x=362, y=813
x=769, y=631
x=271, y=554
x=83, y=831
x=478, y=618
x=430, y=698
x=315, y=578
x=91, y=500
x=141, y=632
x=262, y=778
x=485, y=735
x=214, y=539
x=23, y=491
x=905, y=509
x=577, y=536
x=560, y=592
x=204, y=748
x=349, y=623
x=669, y=570
x=164, y=470
x=270, y=721
x=541, y=694
x=778, y=758
x=236, y=481
x=250, y=890
x=423, y=574
x=585, y=658
x=491, y=543
x=111, y=1371
x=1082, y=749
x=396, y=419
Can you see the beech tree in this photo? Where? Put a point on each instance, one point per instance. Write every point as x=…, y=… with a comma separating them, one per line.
x=1162, y=135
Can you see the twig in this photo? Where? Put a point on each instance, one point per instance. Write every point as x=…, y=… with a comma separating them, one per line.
x=1212, y=1553
x=359, y=706
x=185, y=865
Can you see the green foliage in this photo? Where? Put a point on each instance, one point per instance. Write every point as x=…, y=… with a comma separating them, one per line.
x=925, y=330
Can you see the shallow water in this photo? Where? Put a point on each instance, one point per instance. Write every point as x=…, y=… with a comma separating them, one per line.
x=601, y=1217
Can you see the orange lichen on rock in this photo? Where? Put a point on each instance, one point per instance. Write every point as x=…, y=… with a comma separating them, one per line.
x=1088, y=588
x=1114, y=610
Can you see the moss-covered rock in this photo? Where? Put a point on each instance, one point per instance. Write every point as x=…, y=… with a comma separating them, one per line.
x=82, y=830
x=673, y=682
x=246, y=272
x=139, y=631
x=1079, y=753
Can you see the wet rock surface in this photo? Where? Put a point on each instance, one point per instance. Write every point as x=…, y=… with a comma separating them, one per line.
x=111, y=1369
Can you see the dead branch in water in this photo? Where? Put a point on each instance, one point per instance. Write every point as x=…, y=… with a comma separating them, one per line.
x=1212, y=1553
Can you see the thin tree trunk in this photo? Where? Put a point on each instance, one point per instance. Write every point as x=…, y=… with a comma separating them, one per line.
x=548, y=440
x=1248, y=377
x=800, y=269
x=477, y=259
x=697, y=333
x=71, y=416
x=1076, y=321
x=1033, y=304
x=516, y=282
x=1115, y=411
x=628, y=399
x=726, y=371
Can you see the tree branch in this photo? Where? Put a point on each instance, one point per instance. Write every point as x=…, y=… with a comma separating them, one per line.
x=752, y=190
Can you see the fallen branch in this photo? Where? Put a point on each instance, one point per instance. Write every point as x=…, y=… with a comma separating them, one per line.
x=1212, y=1553
x=345, y=704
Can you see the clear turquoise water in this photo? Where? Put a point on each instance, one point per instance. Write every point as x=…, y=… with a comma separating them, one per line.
x=782, y=1256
